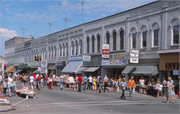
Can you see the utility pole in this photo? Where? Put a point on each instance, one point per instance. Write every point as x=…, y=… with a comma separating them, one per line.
x=65, y=19
x=23, y=30
x=50, y=27
x=82, y=3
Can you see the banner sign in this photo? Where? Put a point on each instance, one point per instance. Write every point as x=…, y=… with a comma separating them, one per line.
x=119, y=56
x=105, y=51
x=87, y=58
x=78, y=58
x=134, y=56
x=114, y=62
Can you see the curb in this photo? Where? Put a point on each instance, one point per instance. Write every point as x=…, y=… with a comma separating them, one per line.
x=6, y=108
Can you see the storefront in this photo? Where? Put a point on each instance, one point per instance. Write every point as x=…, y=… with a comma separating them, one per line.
x=169, y=67
x=51, y=69
x=114, y=65
x=59, y=66
x=28, y=67
x=92, y=65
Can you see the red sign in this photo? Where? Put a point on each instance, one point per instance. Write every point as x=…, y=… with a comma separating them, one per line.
x=5, y=64
x=105, y=51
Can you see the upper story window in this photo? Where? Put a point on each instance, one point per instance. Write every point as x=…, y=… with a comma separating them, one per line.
x=155, y=32
x=133, y=38
x=93, y=44
x=98, y=43
x=88, y=45
x=80, y=42
x=66, y=49
x=107, y=38
x=72, y=47
x=175, y=32
x=60, y=50
x=63, y=50
x=76, y=47
x=144, y=37
x=121, y=39
x=114, y=40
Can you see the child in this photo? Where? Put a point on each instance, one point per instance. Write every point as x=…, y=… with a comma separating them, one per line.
x=5, y=86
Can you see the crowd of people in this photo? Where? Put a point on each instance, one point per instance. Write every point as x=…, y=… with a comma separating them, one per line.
x=79, y=82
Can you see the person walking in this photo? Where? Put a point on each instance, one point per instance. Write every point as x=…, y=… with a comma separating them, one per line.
x=131, y=86
x=79, y=80
x=5, y=86
x=10, y=85
x=85, y=82
x=61, y=81
x=141, y=82
x=23, y=80
x=39, y=82
x=106, y=81
x=71, y=82
x=31, y=78
x=116, y=85
x=50, y=83
x=170, y=90
x=100, y=85
x=42, y=80
x=94, y=84
x=90, y=82
x=123, y=85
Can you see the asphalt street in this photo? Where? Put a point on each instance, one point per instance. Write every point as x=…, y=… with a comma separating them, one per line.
x=67, y=101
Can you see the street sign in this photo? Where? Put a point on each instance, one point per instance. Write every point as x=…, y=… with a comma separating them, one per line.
x=105, y=51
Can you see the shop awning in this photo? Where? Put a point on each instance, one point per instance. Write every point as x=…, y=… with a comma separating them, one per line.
x=72, y=67
x=128, y=70
x=91, y=69
x=10, y=69
x=36, y=71
x=141, y=70
x=18, y=71
x=82, y=68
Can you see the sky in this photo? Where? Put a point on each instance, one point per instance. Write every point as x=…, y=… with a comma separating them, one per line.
x=42, y=17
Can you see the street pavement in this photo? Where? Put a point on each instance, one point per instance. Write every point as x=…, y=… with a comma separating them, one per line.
x=67, y=101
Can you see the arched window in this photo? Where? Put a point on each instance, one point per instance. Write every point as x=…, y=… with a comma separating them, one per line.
x=88, y=45
x=114, y=40
x=66, y=49
x=72, y=47
x=121, y=39
x=80, y=42
x=133, y=38
x=98, y=43
x=143, y=37
x=76, y=47
x=175, y=32
x=63, y=50
x=107, y=38
x=55, y=52
x=155, y=34
x=52, y=52
x=93, y=44
x=60, y=50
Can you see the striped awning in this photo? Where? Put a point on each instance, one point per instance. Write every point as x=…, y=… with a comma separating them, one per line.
x=91, y=69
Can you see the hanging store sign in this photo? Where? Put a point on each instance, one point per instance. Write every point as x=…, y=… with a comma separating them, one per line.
x=134, y=56
x=87, y=58
x=105, y=51
x=37, y=58
x=114, y=62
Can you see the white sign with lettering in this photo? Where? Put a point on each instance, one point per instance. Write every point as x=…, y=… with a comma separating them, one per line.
x=134, y=56
x=87, y=58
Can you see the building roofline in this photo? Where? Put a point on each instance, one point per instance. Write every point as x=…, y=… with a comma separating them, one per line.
x=103, y=18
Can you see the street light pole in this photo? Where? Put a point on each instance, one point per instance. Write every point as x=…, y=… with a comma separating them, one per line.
x=39, y=64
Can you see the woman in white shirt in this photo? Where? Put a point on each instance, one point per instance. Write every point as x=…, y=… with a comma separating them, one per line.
x=31, y=78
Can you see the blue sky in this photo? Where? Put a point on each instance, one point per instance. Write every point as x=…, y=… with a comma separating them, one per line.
x=34, y=15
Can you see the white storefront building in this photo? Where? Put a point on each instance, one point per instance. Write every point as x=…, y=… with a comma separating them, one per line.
x=148, y=28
